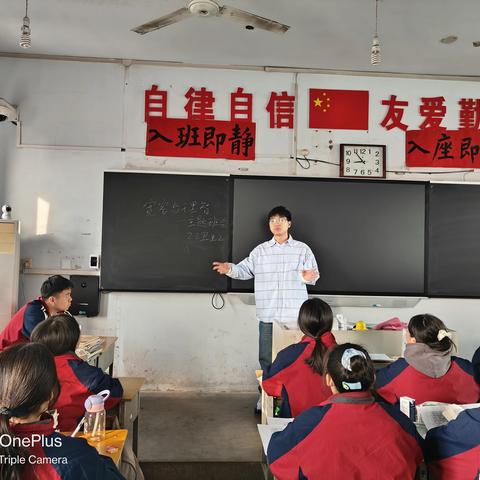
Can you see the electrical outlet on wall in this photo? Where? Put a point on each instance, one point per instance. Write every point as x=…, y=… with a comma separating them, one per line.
x=27, y=263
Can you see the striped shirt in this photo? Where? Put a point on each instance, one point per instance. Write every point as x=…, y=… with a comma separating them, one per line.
x=279, y=287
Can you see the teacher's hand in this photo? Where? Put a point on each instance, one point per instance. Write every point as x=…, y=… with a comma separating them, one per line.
x=310, y=275
x=221, y=268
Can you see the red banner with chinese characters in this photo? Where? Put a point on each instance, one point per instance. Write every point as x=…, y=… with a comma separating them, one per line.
x=182, y=137
x=442, y=148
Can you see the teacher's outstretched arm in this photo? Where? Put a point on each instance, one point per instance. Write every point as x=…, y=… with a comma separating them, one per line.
x=245, y=270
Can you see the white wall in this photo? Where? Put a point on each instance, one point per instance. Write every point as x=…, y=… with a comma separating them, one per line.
x=77, y=116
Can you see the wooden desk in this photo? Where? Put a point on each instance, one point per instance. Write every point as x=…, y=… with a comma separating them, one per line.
x=113, y=438
x=129, y=408
x=104, y=359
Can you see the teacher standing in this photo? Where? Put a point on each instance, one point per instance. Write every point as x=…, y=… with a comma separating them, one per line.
x=282, y=267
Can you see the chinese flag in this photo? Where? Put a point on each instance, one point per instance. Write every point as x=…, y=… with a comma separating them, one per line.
x=338, y=109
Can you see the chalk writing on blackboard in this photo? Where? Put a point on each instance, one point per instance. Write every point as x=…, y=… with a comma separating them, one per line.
x=201, y=223
x=164, y=207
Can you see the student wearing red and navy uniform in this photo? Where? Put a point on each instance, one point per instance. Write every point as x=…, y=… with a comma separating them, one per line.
x=28, y=385
x=78, y=380
x=429, y=371
x=453, y=450
x=55, y=298
x=296, y=373
x=350, y=435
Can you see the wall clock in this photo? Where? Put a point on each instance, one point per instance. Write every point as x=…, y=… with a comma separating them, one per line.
x=362, y=161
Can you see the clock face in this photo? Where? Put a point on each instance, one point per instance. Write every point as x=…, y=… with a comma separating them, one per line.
x=362, y=161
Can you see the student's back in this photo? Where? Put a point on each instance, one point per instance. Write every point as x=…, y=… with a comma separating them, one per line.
x=429, y=371
x=291, y=378
x=453, y=451
x=61, y=457
x=28, y=385
x=296, y=373
x=349, y=436
x=78, y=380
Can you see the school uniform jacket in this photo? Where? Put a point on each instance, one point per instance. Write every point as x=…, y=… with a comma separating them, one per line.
x=78, y=380
x=428, y=376
x=23, y=322
x=453, y=451
x=292, y=379
x=350, y=436
x=82, y=461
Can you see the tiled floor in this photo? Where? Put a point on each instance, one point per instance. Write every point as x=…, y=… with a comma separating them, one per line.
x=199, y=436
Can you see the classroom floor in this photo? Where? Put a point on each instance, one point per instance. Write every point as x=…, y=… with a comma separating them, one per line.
x=199, y=436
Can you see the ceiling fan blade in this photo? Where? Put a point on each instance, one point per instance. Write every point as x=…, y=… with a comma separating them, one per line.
x=248, y=18
x=164, y=21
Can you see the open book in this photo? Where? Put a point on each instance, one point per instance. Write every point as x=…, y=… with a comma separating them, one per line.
x=433, y=414
x=274, y=424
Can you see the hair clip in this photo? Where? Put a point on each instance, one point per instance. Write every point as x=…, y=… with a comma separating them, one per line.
x=6, y=411
x=348, y=354
x=442, y=334
x=352, y=386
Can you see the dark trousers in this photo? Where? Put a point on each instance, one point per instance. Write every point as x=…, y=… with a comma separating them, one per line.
x=265, y=344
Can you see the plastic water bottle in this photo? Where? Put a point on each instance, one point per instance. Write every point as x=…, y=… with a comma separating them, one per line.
x=95, y=415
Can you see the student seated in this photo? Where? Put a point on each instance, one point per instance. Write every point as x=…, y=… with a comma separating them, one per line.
x=77, y=378
x=28, y=385
x=55, y=298
x=350, y=435
x=428, y=371
x=453, y=450
x=296, y=373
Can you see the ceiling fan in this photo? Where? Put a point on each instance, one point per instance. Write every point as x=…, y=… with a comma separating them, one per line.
x=210, y=8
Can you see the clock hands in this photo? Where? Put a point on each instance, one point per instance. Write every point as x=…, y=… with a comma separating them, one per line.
x=361, y=159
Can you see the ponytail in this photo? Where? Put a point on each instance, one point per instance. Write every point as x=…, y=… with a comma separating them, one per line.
x=315, y=320
x=28, y=380
x=428, y=329
x=11, y=449
x=315, y=361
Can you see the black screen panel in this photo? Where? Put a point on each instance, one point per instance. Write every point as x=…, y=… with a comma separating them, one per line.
x=454, y=240
x=368, y=236
x=161, y=232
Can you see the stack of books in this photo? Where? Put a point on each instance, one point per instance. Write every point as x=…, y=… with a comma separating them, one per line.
x=89, y=346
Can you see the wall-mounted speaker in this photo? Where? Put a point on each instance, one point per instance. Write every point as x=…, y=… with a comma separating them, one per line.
x=85, y=295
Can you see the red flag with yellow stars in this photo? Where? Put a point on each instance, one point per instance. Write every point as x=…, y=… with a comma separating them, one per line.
x=338, y=109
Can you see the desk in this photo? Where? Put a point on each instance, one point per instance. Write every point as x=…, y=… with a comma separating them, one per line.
x=104, y=358
x=129, y=408
x=113, y=438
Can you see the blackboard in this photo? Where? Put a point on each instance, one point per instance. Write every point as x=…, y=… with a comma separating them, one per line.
x=454, y=240
x=161, y=232
x=368, y=236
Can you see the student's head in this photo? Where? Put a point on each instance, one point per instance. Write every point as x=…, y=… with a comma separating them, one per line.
x=314, y=319
x=428, y=329
x=59, y=333
x=56, y=293
x=348, y=368
x=28, y=386
x=279, y=220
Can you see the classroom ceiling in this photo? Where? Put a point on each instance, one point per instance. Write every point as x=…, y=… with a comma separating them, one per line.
x=324, y=34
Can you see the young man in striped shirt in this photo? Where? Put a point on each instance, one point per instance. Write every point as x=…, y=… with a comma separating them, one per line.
x=281, y=268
